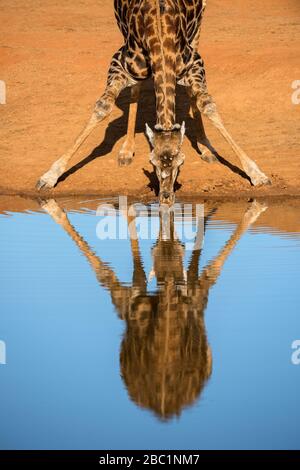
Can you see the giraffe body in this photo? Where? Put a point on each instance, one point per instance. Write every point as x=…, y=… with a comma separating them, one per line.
x=161, y=41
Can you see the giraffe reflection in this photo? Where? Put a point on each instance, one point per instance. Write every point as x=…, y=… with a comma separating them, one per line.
x=165, y=357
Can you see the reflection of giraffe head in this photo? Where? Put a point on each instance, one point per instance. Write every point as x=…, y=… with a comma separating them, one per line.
x=167, y=158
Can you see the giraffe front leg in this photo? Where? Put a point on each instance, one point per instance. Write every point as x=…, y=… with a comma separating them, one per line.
x=126, y=153
x=251, y=169
x=49, y=179
x=117, y=81
x=207, y=151
x=197, y=81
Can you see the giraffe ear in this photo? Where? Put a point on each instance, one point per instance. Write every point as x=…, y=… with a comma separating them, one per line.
x=150, y=134
x=182, y=130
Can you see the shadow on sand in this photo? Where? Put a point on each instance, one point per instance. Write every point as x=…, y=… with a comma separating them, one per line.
x=118, y=128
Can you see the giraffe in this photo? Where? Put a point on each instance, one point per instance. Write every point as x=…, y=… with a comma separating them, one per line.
x=161, y=40
x=165, y=357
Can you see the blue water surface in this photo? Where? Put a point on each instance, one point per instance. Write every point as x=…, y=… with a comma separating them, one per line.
x=61, y=386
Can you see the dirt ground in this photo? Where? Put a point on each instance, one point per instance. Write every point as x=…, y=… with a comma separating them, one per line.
x=54, y=58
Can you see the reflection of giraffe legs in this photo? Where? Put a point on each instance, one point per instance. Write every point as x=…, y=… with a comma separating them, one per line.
x=139, y=280
x=213, y=269
x=127, y=151
x=193, y=269
x=104, y=274
x=117, y=81
x=198, y=287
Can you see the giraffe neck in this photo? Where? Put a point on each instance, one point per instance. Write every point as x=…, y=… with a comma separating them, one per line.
x=160, y=28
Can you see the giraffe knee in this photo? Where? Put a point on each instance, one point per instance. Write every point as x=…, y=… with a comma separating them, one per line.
x=206, y=106
x=103, y=108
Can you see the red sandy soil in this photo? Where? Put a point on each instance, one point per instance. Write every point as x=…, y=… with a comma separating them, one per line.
x=54, y=58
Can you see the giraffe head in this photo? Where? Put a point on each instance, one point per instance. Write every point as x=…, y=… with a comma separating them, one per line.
x=166, y=157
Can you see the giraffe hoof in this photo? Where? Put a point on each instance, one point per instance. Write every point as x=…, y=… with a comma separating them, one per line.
x=46, y=182
x=49, y=179
x=43, y=185
x=209, y=157
x=125, y=158
x=260, y=180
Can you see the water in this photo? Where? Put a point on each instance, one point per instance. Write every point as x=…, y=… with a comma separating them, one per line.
x=112, y=344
